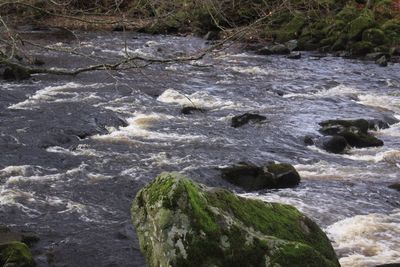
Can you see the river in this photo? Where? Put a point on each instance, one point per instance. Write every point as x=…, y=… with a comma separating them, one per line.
x=75, y=150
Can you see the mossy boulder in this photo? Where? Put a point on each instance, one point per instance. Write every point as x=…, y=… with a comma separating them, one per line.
x=374, y=36
x=182, y=223
x=15, y=254
x=360, y=24
x=354, y=131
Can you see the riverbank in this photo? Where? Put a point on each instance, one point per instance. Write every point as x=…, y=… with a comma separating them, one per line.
x=362, y=29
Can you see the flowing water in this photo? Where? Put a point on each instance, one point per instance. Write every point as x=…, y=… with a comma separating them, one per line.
x=75, y=150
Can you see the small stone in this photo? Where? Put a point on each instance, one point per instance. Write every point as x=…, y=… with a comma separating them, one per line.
x=241, y=120
x=279, y=49
x=382, y=61
x=294, y=55
x=292, y=45
x=264, y=51
x=190, y=110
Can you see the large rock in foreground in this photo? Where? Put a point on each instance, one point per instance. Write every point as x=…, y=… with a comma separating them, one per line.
x=181, y=223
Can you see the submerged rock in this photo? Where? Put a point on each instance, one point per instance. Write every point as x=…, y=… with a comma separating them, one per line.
x=354, y=131
x=182, y=223
x=16, y=73
x=251, y=177
x=240, y=120
x=191, y=110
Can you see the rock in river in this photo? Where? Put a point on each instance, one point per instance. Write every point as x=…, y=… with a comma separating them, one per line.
x=251, y=177
x=241, y=120
x=182, y=223
x=354, y=131
x=334, y=144
x=190, y=110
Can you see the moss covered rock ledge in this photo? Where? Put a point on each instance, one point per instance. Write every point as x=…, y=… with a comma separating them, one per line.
x=182, y=223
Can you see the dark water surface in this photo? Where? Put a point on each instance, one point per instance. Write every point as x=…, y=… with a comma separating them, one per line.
x=75, y=150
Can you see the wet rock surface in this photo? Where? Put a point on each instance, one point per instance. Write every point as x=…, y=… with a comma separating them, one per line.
x=251, y=177
x=355, y=132
x=182, y=223
x=240, y=120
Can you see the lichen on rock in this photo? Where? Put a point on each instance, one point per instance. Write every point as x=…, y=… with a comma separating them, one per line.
x=182, y=223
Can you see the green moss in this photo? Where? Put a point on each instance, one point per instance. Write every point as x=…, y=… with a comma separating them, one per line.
x=392, y=30
x=360, y=24
x=298, y=254
x=292, y=29
x=348, y=13
x=214, y=227
x=279, y=168
x=340, y=43
x=16, y=253
x=374, y=36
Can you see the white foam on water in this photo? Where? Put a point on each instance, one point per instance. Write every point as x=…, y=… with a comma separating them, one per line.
x=340, y=90
x=33, y=178
x=162, y=159
x=138, y=128
x=385, y=102
x=394, y=130
x=51, y=93
x=323, y=170
x=367, y=240
x=21, y=170
x=253, y=70
x=13, y=197
x=200, y=99
x=80, y=150
x=375, y=155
